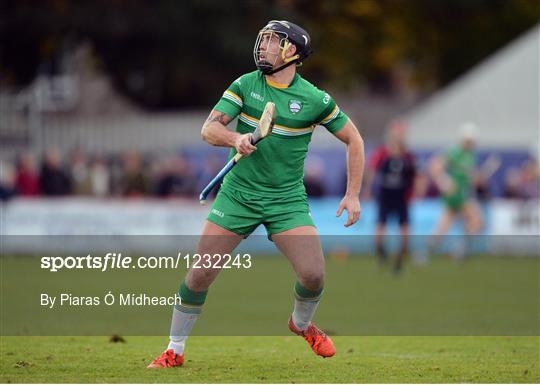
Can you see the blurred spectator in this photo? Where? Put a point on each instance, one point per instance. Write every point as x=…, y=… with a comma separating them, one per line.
x=424, y=187
x=211, y=166
x=99, y=177
x=313, y=177
x=54, y=181
x=7, y=181
x=531, y=179
x=176, y=179
x=512, y=184
x=482, y=190
x=134, y=181
x=27, y=177
x=116, y=176
x=80, y=177
x=523, y=182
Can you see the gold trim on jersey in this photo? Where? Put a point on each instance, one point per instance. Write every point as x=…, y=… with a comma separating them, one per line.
x=229, y=95
x=331, y=116
x=278, y=129
x=249, y=120
x=292, y=131
x=275, y=84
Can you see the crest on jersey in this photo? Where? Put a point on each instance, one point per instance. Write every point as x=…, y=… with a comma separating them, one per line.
x=295, y=106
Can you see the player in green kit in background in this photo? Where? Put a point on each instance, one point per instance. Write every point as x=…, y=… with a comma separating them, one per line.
x=454, y=177
x=266, y=187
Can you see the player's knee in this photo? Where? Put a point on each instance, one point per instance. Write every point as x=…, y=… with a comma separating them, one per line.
x=476, y=225
x=313, y=280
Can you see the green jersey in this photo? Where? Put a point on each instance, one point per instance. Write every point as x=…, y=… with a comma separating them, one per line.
x=460, y=165
x=277, y=166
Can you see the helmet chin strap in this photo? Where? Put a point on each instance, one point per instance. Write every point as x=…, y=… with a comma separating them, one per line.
x=268, y=70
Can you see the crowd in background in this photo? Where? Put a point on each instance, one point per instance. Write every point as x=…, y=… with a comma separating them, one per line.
x=172, y=175
x=522, y=182
x=127, y=175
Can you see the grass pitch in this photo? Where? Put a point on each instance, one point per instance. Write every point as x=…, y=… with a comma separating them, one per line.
x=273, y=360
x=486, y=296
x=449, y=304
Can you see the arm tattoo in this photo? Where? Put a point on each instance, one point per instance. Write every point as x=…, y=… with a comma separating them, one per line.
x=221, y=118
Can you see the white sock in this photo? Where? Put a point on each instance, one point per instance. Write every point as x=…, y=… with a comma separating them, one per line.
x=303, y=312
x=181, y=326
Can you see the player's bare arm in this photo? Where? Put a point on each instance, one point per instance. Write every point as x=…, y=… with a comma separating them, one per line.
x=355, y=169
x=216, y=133
x=437, y=171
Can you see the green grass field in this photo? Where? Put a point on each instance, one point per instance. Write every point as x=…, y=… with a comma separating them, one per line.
x=444, y=322
x=274, y=360
x=486, y=296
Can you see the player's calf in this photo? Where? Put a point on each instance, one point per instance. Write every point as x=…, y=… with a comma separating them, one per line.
x=305, y=304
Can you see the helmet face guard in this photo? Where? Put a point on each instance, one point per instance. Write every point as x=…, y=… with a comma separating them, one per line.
x=266, y=52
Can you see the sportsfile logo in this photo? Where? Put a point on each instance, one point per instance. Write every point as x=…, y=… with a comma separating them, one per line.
x=218, y=213
x=118, y=261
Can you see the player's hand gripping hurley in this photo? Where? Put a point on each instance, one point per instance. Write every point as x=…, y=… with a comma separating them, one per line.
x=264, y=128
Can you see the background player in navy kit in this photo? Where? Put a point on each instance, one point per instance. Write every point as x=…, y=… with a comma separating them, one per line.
x=392, y=170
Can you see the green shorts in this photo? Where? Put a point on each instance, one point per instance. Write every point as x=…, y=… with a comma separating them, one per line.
x=455, y=201
x=241, y=212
